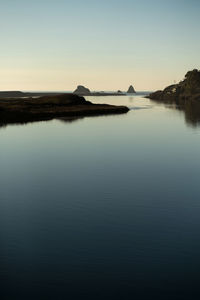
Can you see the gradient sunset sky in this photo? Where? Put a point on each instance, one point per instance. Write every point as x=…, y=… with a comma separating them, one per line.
x=104, y=45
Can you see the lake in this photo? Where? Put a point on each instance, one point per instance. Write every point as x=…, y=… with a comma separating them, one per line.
x=103, y=207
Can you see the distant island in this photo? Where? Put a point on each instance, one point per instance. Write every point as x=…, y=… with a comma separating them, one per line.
x=80, y=91
x=83, y=91
x=131, y=90
x=14, y=110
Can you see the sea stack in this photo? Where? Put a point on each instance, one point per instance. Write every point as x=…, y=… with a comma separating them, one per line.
x=81, y=90
x=131, y=90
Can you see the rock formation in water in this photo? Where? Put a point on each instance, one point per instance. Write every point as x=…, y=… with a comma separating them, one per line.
x=81, y=90
x=14, y=110
x=131, y=90
x=185, y=91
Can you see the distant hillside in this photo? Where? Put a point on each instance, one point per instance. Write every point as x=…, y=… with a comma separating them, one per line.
x=11, y=94
x=18, y=94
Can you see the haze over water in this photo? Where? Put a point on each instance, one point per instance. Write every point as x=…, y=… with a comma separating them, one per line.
x=101, y=207
x=104, y=45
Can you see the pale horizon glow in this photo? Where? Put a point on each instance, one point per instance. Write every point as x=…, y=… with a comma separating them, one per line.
x=57, y=45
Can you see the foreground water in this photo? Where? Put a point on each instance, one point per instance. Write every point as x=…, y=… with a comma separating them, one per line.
x=102, y=207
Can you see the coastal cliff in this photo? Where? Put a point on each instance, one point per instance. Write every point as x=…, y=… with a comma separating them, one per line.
x=184, y=96
x=186, y=91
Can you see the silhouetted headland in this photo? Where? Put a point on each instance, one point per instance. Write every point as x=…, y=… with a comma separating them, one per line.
x=185, y=96
x=13, y=110
x=182, y=93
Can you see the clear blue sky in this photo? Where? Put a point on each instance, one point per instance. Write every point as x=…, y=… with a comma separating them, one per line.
x=105, y=45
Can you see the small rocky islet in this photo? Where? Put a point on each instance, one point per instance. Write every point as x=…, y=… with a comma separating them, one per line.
x=83, y=91
x=131, y=90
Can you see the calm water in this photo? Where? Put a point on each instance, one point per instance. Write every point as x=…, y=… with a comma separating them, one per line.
x=102, y=207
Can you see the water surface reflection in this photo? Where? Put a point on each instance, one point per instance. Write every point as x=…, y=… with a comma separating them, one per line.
x=106, y=208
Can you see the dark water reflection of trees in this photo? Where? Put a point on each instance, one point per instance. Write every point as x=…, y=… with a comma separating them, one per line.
x=5, y=123
x=192, y=114
x=191, y=111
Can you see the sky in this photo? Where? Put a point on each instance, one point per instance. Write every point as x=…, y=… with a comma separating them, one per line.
x=54, y=45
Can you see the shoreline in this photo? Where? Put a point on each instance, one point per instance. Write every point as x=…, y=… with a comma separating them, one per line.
x=16, y=110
